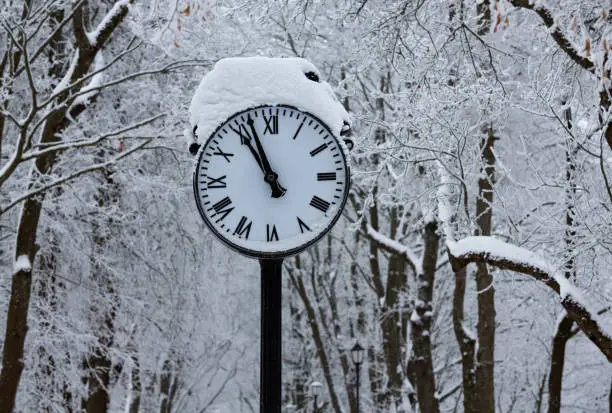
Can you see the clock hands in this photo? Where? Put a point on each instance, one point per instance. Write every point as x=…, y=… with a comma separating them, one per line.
x=270, y=176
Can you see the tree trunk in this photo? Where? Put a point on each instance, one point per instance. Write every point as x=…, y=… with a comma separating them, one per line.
x=136, y=385
x=25, y=246
x=421, y=324
x=316, y=334
x=390, y=325
x=557, y=361
x=564, y=327
x=484, y=282
x=467, y=345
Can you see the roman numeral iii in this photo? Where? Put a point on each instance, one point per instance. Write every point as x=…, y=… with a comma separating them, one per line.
x=326, y=176
x=320, y=204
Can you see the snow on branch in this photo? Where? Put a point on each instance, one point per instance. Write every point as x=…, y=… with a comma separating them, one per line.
x=489, y=250
x=89, y=92
x=59, y=181
x=556, y=33
x=395, y=247
x=111, y=20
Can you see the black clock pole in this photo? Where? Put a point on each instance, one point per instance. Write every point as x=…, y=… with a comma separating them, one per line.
x=271, y=336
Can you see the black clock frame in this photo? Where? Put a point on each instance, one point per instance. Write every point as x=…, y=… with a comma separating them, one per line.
x=277, y=254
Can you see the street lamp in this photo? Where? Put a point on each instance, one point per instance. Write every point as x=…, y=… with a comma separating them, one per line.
x=315, y=388
x=357, y=357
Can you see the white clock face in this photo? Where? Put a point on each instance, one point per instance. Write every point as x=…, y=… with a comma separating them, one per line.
x=271, y=181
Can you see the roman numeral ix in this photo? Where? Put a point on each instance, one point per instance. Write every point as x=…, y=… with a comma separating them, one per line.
x=271, y=235
x=320, y=204
x=217, y=182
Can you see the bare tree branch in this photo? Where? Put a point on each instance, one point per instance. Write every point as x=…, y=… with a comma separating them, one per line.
x=70, y=177
x=506, y=256
x=557, y=35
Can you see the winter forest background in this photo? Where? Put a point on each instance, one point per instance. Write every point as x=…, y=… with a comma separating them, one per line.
x=471, y=119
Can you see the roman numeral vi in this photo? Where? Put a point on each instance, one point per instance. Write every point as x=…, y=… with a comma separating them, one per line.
x=271, y=235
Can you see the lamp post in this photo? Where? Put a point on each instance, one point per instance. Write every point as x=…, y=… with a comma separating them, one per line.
x=315, y=388
x=357, y=357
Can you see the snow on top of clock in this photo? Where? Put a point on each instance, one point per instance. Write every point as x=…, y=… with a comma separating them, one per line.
x=239, y=83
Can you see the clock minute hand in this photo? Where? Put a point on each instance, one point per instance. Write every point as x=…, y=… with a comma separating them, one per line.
x=246, y=140
x=270, y=176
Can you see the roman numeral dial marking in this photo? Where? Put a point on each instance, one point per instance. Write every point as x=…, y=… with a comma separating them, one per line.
x=271, y=125
x=271, y=234
x=217, y=182
x=318, y=150
x=222, y=208
x=326, y=176
x=243, y=228
x=226, y=155
x=302, y=225
x=320, y=204
x=243, y=132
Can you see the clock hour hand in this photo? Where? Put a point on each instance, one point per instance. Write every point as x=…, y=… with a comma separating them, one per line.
x=270, y=176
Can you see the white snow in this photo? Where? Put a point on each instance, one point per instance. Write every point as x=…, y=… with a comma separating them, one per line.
x=239, y=83
x=96, y=81
x=22, y=264
x=443, y=195
x=65, y=82
x=498, y=249
x=468, y=331
x=395, y=246
x=114, y=11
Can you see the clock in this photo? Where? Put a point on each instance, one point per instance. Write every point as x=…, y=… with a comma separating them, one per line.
x=271, y=181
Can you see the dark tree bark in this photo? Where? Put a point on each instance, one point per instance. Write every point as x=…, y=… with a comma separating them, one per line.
x=316, y=334
x=25, y=245
x=484, y=281
x=548, y=19
x=136, y=385
x=483, y=10
x=467, y=345
x=575, y=309
x=557, y=361
x=564, y=328
x=421, y=324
